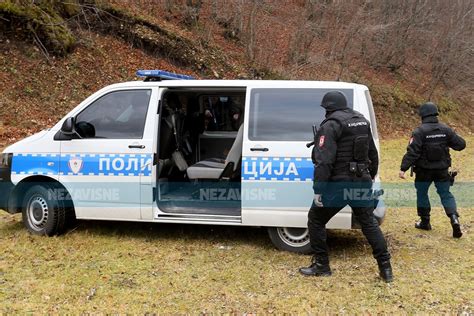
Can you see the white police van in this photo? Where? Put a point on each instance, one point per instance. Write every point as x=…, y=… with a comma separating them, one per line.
x=220, y=152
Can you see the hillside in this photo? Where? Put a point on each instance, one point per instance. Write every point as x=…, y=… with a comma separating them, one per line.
x=54, y=54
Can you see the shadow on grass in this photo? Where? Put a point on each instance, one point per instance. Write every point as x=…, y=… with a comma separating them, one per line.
x=150, y=232
x=338, y=240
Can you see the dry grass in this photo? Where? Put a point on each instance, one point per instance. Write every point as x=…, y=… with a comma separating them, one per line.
x=138, y=268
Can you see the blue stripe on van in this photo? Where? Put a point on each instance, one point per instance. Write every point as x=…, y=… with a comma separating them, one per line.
x=277, y=169
x=82, y=164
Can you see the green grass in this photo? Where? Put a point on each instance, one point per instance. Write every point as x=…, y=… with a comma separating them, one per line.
x=109, y=267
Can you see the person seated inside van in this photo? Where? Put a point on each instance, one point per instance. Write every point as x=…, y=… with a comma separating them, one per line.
x=222, y=114
x=180, y=122
x=194, y=121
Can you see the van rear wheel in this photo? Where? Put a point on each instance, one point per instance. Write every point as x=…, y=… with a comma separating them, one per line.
x=41, y=213
x=290, y=239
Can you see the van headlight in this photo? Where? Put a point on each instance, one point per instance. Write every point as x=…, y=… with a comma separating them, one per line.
x=5, y=160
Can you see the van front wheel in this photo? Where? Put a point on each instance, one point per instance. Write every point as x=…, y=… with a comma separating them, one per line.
x=290, y=239
x=43, y=214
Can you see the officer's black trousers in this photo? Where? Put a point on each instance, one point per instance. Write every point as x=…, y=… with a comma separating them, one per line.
x=441, y=179
x=355, y=193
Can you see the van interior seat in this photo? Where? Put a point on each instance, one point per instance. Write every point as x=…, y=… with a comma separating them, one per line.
x=214, y=168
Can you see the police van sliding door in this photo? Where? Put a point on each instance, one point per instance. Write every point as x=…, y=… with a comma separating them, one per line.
x=103, y=169
x=277, y=170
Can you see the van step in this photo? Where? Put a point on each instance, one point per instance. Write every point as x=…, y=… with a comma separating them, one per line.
x=201, y=208
x=199, y=218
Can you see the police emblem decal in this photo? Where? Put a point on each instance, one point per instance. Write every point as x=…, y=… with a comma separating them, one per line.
x=75, y=164
x=321, y=141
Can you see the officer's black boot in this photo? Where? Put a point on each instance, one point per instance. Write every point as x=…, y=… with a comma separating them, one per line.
x=457, y=233
x=317, y=268
x=424, y=223
x=385, y=269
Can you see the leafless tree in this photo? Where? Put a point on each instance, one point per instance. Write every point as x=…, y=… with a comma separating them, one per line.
x=431, y=40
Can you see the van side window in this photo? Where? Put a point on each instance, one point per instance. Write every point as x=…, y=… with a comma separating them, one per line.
x=116, y=115
x=287, y=114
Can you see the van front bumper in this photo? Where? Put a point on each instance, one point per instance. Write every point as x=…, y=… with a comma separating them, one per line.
x=6, y=187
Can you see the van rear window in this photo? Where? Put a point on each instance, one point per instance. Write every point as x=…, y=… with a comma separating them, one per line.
x=288, y=114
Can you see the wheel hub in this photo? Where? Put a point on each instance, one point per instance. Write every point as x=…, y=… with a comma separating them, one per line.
x=295, y=237
x=37, y=212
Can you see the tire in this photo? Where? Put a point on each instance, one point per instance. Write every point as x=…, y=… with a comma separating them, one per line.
x=43, y=214
x=71, y=220
x=290, y=239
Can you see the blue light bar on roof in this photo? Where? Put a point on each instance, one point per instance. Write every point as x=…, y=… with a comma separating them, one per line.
x=162, y=75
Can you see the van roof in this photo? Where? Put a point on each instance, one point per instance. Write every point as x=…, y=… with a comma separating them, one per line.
x=242, y=84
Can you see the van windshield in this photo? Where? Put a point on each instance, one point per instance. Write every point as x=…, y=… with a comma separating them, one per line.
x=288, y=114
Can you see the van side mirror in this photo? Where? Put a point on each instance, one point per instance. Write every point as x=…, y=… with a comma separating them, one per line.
x=68, y=126
x=67, y=131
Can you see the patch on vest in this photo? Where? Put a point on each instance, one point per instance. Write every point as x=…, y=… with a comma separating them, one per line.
x=357, y=124
x=321, y=141
x=436, y=136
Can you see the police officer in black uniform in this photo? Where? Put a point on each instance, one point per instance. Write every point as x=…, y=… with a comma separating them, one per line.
x=428, y=153
x=346, y=162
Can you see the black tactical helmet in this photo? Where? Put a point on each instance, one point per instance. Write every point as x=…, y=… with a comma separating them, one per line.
x=428, y=109
x=334, y=100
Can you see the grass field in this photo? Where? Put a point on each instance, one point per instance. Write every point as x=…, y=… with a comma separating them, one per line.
x=108, y=267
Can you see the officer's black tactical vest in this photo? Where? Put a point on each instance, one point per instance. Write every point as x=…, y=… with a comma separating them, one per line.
x=435, y=149
x=353, y=145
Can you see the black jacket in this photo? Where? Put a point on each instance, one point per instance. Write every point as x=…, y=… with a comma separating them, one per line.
x=334, y=147
x=429, y=146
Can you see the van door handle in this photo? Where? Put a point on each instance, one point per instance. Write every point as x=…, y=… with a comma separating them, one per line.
x=136, y=146
x=258, y=149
